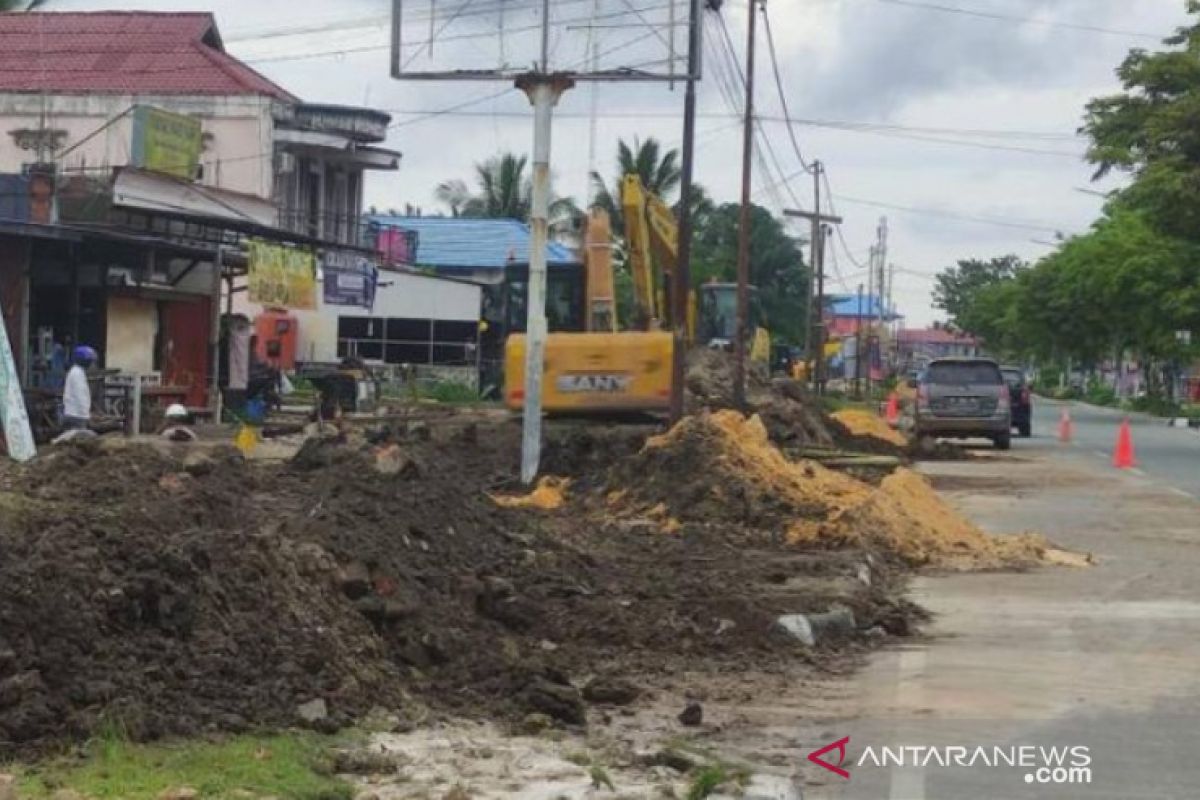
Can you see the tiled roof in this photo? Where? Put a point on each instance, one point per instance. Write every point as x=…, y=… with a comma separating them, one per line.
x=122, y=52
x=459, y=243
x=933, y=336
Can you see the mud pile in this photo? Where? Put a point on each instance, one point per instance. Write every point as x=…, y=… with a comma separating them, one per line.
x=723, y=468
x=175, y=591
x=163, y=599
x=793, y=418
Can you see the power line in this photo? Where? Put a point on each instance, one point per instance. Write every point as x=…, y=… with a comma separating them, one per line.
x=1049, y=23
x=782, y=97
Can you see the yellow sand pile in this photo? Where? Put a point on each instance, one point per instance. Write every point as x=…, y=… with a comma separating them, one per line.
x=743, y=451
x=907, y=517
x=725, y=467
x=549, y=494
x=864, y=423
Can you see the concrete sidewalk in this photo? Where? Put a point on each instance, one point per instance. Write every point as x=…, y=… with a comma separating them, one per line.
x=1103, y=658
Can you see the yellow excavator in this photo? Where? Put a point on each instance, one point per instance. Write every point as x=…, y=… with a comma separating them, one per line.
x=606, y=369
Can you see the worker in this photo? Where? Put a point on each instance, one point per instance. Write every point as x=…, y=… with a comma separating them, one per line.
x=176, y=424
x=77, y=394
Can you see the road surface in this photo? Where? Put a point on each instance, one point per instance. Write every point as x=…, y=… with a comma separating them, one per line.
x=1106, y=658
x=1169, y=455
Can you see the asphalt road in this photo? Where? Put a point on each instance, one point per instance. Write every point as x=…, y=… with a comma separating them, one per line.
x=1170, y=456
x=1103, y=657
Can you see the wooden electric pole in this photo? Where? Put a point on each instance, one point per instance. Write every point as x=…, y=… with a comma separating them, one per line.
x=681, y=280
x=743, y=260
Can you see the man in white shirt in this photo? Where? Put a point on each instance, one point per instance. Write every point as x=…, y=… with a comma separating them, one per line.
x=77, y=395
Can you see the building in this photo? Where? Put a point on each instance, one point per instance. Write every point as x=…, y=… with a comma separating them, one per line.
x=495, y=254
x=138, y=162
x=413, y=320
x=70, y=83
x=917, y=346
x=844, y=314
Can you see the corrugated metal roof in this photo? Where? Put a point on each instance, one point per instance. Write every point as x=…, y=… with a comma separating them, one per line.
x=451, y=243
x=846, y=305
x=122, y=52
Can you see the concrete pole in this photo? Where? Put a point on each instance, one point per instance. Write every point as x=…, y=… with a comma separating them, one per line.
x=543, y=92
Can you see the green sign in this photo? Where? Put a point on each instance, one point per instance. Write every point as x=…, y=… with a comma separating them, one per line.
x=165, y=142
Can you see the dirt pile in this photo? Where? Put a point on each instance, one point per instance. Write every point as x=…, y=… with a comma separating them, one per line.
x=793, y=418
x=158, y=596
x=721, y=467
x=177, y=592
x=863, y=430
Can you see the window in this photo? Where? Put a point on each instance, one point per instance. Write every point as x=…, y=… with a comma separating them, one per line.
x=405, y=340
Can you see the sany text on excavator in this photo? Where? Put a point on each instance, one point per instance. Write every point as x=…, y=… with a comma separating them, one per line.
x=605, y=369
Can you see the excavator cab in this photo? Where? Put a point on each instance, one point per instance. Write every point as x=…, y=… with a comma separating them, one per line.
x=716, y=323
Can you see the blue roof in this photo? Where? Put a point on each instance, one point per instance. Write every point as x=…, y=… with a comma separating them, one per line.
x=450, y=243
x=846, y=305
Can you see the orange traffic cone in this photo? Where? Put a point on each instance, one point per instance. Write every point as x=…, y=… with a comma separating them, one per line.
x=1123, y=455
x=892, y=413
x=1066, y=428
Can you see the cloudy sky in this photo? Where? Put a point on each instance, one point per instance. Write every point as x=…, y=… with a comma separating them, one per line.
x=961, y=113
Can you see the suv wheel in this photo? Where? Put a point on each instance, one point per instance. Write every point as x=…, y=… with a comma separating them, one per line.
x=1003, y=441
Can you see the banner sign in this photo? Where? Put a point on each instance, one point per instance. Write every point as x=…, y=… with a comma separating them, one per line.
x=165, y=142
x=14, y=418
x=282, y=277
x=350, y=279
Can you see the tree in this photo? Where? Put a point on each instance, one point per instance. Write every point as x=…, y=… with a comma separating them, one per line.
x=1152, y=130
x=957, y=287
x=660, y=174
x=777, y=267
x=504, y=191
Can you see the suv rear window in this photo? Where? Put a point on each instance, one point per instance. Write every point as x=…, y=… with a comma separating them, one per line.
x=963, y=372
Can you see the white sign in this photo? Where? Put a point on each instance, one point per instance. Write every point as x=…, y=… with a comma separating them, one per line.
x=14, y=419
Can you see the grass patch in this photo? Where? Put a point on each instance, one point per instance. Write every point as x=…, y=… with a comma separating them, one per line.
x=295, y=766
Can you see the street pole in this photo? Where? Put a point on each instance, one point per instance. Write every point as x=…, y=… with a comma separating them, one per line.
x=858, y=345
x=543, y=91
x=810, y=348
x=681, y=280
x=743, y=262
x=819, y=364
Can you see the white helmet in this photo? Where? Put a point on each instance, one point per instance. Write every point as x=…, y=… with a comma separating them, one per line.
x=176, y=411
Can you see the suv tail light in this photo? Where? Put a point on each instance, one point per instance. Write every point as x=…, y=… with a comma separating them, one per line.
x=1005, y=395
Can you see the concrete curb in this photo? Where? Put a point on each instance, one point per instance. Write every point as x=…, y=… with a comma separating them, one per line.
x=1184, y=422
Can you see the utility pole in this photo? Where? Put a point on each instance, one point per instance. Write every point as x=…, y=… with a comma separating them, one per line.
x=813, y=344
x=681, y=280
x=865, y=339
x=858, y=345
x=743, y=262
x=819, y=364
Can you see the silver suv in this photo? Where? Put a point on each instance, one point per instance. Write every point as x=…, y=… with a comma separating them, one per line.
x=964, y=398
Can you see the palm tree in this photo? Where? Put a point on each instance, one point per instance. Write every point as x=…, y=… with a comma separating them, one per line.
x=660, y=173
x=504, y=192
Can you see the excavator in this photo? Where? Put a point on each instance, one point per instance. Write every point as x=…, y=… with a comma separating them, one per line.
x=605, y=369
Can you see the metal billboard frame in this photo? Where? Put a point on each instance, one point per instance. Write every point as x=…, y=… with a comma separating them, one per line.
x=576, y=76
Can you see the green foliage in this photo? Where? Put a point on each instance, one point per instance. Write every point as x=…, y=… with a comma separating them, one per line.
x=659, y=171
x=1150, y=130
x=600, y=778
x=957, y=287
x=503, y=190
x=706, y=782
x=293, y=766
x=1100, y=393
x=777, y=266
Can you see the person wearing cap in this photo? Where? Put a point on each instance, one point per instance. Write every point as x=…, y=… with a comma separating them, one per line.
x=175, y=424
x=77, y=394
